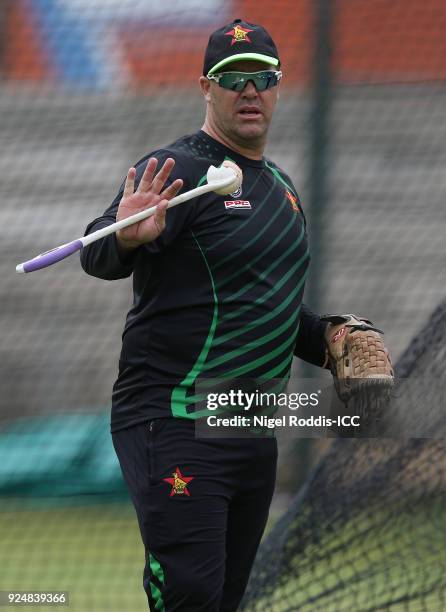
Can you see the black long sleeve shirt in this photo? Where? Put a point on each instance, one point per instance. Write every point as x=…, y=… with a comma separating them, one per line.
x=218, y=294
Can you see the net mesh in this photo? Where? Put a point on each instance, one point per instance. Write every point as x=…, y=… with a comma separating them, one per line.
x=365, y=533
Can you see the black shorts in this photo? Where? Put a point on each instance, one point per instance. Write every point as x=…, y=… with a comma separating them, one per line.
x=202, y=506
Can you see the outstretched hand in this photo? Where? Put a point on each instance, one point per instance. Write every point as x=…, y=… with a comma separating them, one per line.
x=150, y=192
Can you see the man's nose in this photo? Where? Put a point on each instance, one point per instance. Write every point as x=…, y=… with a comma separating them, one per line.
x=250, y=90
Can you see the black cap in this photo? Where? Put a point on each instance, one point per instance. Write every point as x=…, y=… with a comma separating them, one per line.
x=236, y=41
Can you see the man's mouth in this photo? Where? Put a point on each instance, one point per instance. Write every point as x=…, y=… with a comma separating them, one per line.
x=249, y=112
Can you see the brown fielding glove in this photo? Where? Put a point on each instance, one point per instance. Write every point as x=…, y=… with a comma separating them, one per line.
x=361, y=367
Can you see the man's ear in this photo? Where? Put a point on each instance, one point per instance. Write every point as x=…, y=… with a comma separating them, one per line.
x=205, y=86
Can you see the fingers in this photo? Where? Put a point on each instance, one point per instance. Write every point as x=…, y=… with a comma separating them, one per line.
x=129, y=186
x=147, y=177
x=155, y=183
x=172, y=190
x=159, y=217
x=162, y=175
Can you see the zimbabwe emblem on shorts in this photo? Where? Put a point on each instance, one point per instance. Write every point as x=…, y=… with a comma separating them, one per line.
x=179, y=483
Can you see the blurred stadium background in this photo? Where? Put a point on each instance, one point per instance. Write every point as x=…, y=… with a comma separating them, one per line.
x=86, y=89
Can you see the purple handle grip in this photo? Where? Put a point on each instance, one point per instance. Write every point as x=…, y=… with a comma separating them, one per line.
x=50, y=257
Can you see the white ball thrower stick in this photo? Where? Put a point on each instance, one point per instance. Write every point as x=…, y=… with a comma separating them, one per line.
x=226, y=178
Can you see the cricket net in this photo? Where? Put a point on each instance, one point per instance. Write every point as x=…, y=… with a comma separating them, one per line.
x=366, y=533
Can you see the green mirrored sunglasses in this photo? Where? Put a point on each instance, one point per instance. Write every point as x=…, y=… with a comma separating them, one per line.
x=236, y=81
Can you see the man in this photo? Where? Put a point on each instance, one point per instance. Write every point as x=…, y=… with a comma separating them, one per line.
x=218, y=285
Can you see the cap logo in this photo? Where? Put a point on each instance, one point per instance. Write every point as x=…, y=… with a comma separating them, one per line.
x=239, y=34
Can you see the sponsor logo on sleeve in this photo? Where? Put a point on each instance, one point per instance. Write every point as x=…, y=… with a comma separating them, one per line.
x=293, y=200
